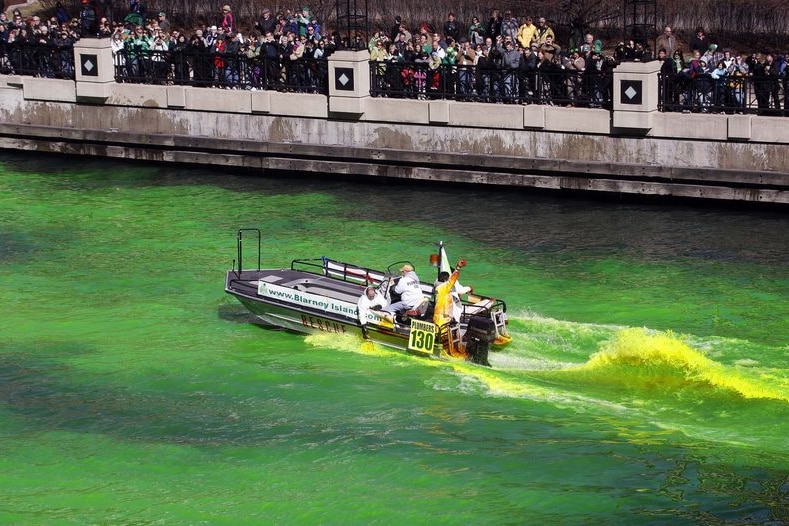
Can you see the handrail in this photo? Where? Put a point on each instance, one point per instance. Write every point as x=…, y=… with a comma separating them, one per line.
x=548, y=85
x=357, y=274
x=730, y=94
x=240, y=247
x=185, y=67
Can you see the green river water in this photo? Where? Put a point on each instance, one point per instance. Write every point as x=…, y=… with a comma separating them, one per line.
x=647, y=383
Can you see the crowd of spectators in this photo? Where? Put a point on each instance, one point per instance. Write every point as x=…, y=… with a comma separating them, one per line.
x=711, y=79
x=283, y=50
x=501, y=59
x=50, y=39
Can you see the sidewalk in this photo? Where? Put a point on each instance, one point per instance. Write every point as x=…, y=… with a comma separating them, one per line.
x=22, y=5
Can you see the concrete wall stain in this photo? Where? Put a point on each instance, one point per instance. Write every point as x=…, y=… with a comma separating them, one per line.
x=149, y=131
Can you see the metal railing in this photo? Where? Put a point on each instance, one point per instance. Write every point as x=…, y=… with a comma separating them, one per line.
x=732, y=94
x=552, y=85
x=761, y=95
x=39, y=60
x=221, y=70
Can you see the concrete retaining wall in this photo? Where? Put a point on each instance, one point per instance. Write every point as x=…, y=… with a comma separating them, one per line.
x=736, y=157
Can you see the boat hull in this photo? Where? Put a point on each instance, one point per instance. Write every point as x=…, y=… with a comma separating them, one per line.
x=307, y=322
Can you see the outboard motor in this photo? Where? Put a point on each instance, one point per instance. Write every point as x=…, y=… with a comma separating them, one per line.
x=480, y=334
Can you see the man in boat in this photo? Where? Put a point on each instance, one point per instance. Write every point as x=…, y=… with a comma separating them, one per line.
x=371, y=301
x=457, y=291
x=447, y=290
x=410, y=291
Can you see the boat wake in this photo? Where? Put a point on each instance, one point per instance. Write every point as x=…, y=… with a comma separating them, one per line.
x=645, y=359
x=556, y=360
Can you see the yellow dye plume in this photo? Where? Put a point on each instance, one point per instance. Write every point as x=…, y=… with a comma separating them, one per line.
x=345, y=342
x=663, y=352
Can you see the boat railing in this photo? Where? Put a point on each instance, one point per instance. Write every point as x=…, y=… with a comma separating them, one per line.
x=240, y=247
x=475, y=304
x=339, y=270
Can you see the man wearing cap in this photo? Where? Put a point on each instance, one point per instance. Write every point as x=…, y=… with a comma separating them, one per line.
x=302, y=21
x=87, y=19
x=409, y=289
x=509, y=25
x=266, y=23
x=164, y=24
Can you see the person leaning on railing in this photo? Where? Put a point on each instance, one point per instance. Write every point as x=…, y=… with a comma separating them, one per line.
x=574, y=67
x=466, y=60
x=5, y=64
x=738, y=73
x=136, y=45
x=510, y=62
x=200, y=59
x=179, y=52
x=527, y=71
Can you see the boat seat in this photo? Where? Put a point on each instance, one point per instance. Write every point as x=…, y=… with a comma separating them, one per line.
x=478, y=308
x=417, y=312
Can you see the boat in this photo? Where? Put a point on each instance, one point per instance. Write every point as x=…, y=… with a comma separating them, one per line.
x=320, y=295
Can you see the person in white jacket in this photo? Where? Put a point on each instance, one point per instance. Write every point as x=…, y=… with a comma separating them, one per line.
x=410, y=291
x=371, y=301
x=457, y=305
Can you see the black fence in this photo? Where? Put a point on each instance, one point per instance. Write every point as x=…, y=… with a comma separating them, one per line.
x=732, y=94
x=765, y=95
x=551, y=85
x=38, y=60
x=222, y=70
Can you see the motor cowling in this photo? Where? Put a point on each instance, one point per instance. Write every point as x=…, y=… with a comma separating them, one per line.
x=480, y=335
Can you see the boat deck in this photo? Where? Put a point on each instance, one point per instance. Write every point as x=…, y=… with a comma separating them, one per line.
x=247, y=283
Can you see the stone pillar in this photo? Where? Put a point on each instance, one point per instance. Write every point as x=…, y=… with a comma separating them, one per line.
x=635, y=96
x=349, y=82
x=94, y=69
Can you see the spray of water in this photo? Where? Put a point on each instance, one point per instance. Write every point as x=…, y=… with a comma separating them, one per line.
x=639, y=357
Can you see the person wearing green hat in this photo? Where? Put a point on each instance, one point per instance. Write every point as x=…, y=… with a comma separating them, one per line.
x=303, y=20
x=712, y=56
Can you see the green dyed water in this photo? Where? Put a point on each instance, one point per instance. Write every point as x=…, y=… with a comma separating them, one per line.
x=647, y=382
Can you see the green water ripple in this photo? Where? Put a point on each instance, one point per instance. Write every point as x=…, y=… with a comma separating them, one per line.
x=134, y=391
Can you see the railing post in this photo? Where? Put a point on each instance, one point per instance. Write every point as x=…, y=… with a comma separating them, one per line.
x=349, y=82
x=94, y=69
x=636, y=87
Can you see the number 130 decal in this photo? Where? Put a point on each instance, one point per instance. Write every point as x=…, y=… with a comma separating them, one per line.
x=422, y=336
